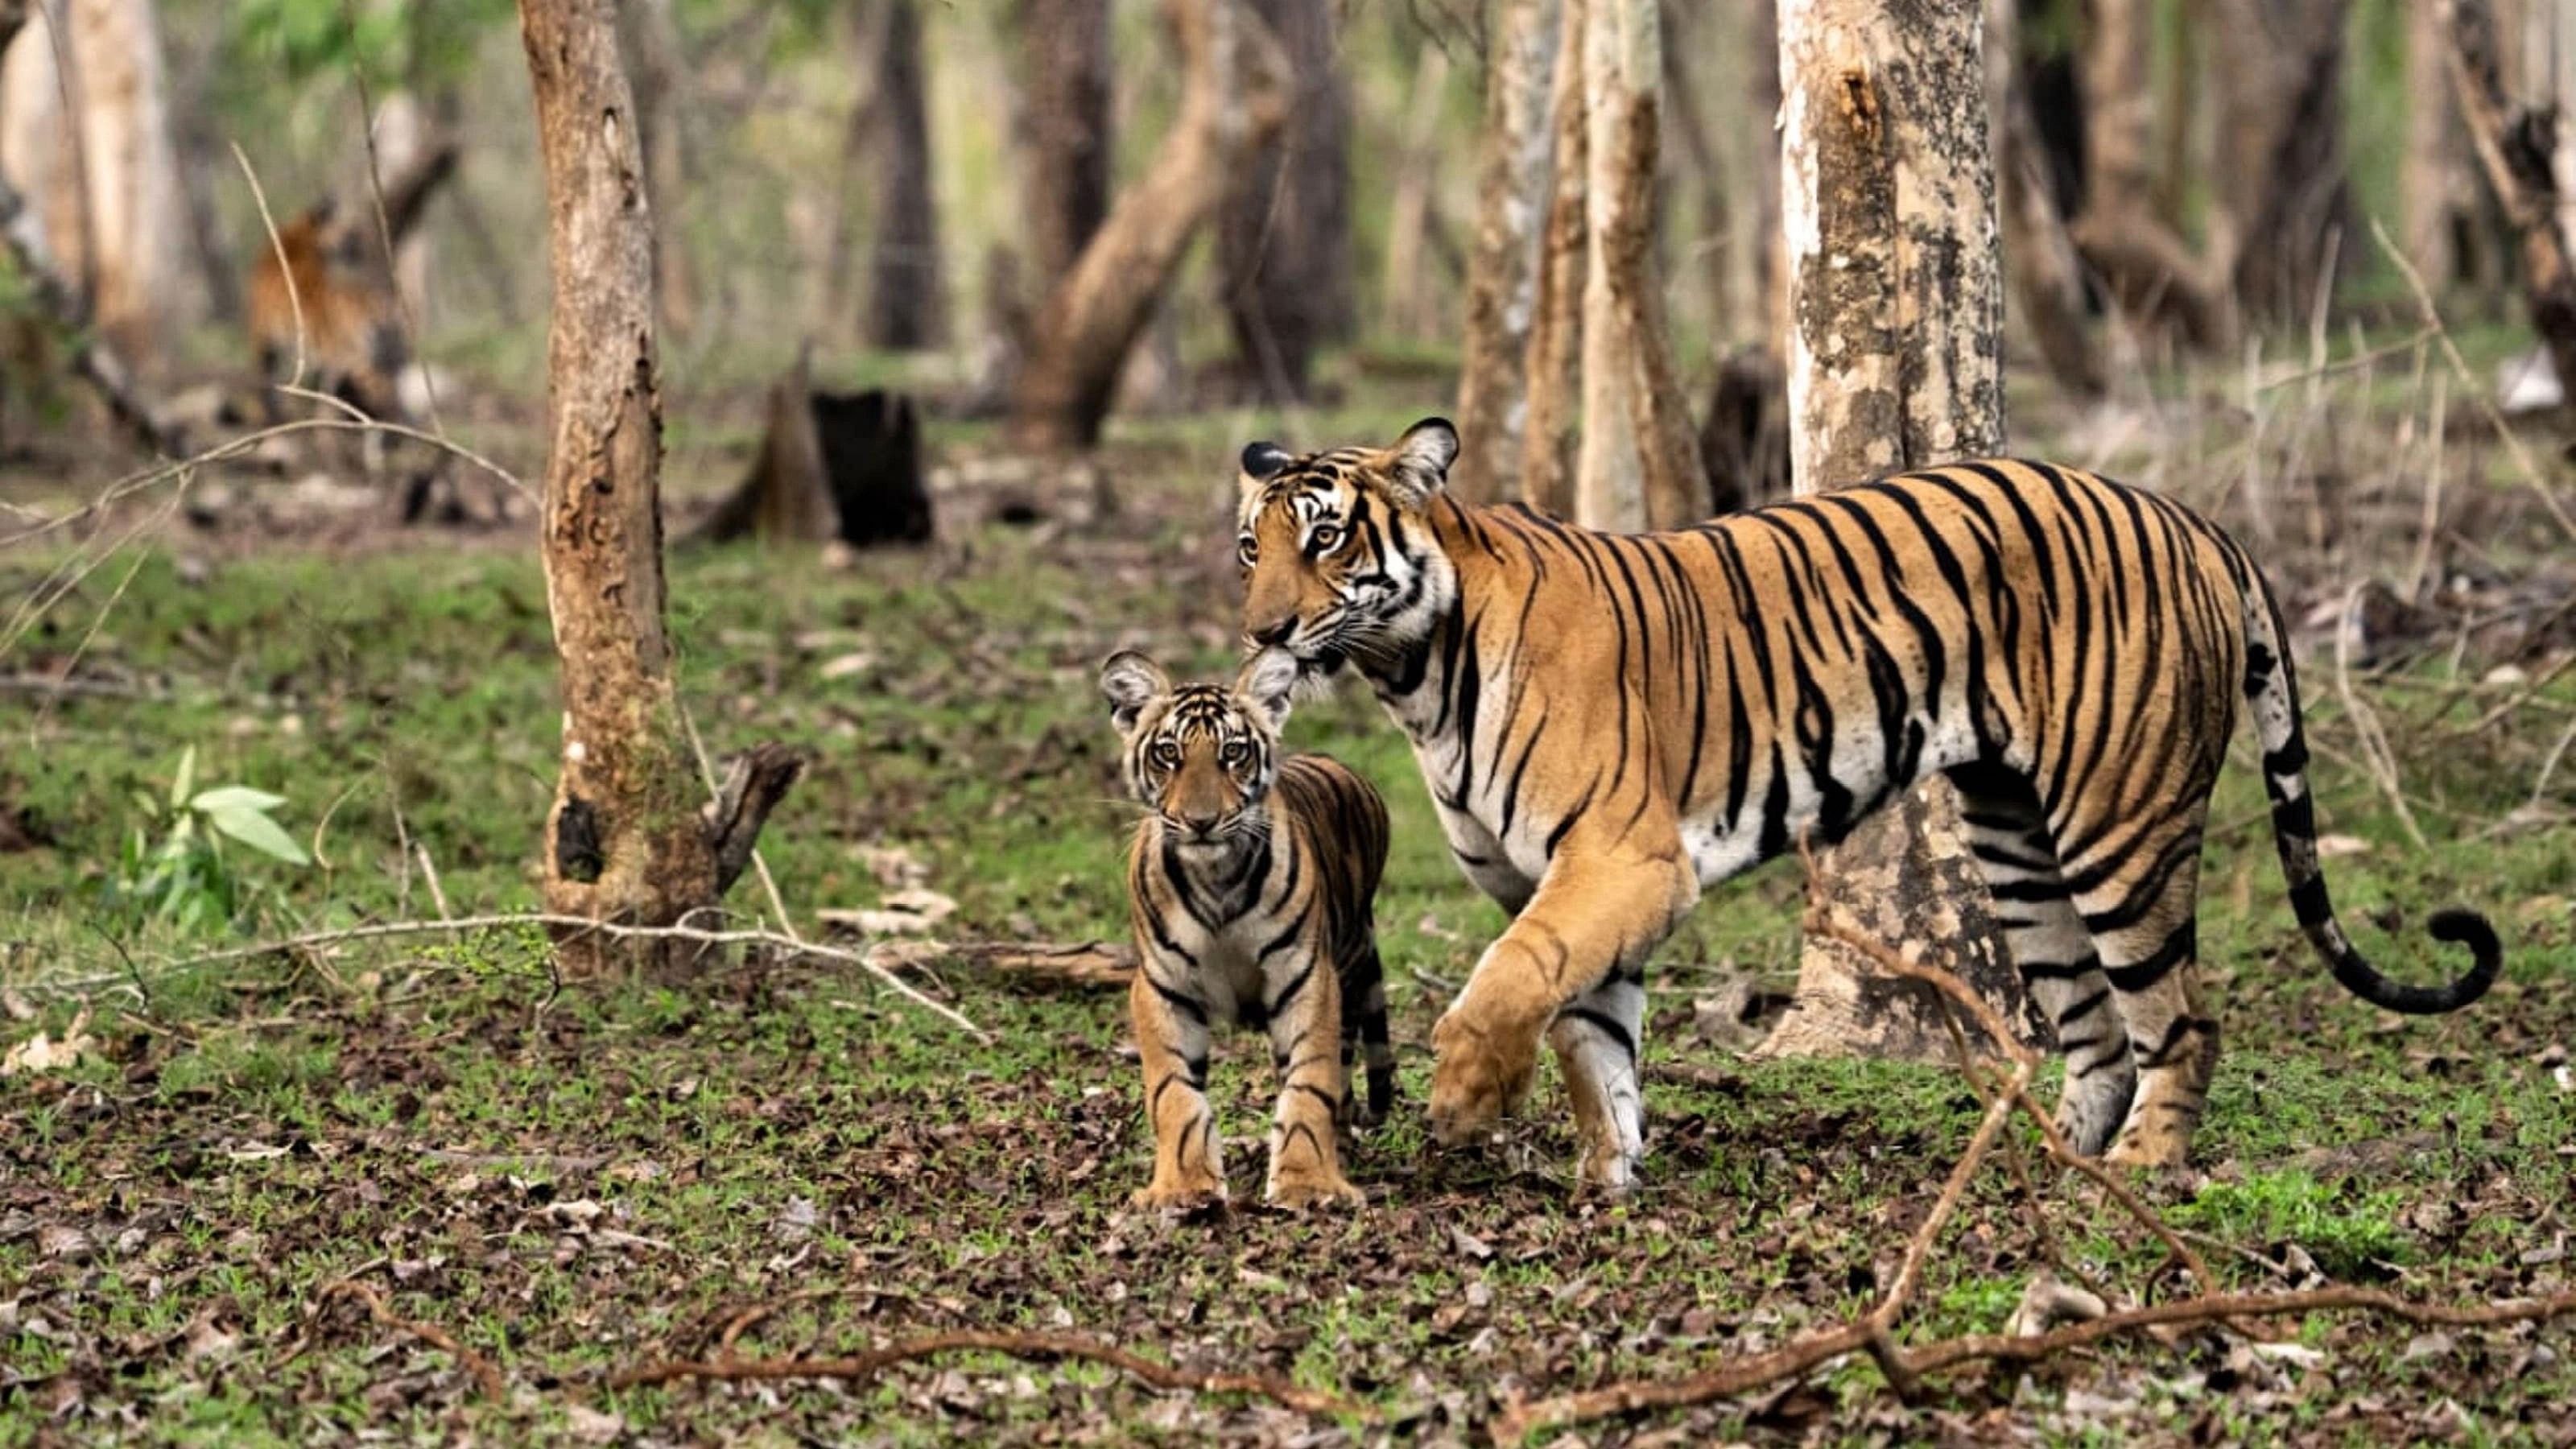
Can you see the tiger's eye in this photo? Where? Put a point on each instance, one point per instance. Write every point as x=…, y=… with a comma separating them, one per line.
x=1236, y=752
x=1327, y=538
x=1246, y=549
x=1167, y=754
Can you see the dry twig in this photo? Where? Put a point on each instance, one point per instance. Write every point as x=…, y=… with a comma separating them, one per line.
x=430, y=1333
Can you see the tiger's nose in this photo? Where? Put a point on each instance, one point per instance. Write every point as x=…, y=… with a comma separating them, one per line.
x=1273, y=635
x=1198, y=824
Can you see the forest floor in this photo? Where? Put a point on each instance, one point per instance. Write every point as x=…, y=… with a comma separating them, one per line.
x=567, y=1181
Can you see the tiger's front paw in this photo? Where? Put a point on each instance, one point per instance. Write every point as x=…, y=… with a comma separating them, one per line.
x=1184, y=1195
x=1315, y=1190
x=1481, y=1071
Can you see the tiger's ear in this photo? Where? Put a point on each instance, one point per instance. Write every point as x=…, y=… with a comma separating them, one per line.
x=1418, y=464
x=1130, y=681
x=1261, y=463
x=1268, y=680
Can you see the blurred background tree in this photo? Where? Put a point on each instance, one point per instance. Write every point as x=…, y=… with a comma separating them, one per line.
x=906, y=184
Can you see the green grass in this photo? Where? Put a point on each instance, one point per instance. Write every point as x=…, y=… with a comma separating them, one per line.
x=576, y=1180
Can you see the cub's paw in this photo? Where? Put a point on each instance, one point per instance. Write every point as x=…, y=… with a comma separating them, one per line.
x=1304, y=1193
x=1480, y=1073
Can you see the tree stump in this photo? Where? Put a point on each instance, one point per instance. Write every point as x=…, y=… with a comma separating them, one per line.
x=843, y=466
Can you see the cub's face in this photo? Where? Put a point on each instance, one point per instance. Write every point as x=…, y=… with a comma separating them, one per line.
x=1338, y=563
x=1201, y=756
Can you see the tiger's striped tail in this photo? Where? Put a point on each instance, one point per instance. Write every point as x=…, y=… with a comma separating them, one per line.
x=2272, y=689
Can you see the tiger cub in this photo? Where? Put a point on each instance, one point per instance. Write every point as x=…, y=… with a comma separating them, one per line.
x=1249, y=872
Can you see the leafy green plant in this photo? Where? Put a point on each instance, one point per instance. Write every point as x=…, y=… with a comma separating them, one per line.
x=173, y=866
x=2346, y=1232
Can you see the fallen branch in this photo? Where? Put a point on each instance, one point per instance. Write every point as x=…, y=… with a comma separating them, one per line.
x=429, y=1333
x=1038, y=1346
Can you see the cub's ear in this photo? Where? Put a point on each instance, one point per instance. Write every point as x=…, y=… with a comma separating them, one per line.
x=1268, y=679
x=1130, y=681
x=1419, y=462
x=1262, y=462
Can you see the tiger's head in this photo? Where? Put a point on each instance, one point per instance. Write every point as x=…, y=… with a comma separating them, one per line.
x=1338, y=559
x=1201, y=756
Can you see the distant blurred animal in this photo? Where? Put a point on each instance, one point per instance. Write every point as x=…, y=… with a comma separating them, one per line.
x=1252, y=883
x=325, y=313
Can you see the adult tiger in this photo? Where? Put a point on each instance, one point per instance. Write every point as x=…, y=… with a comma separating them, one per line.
x=1610, y=723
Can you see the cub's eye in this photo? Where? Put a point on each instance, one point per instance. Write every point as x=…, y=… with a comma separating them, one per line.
x=1246, y=549
x=1167, y=754
x=1325, y=538
x=1235, y=754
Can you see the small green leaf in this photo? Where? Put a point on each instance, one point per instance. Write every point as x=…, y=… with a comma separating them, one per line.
x=256, y=830
x=235, y=797
x=187, y=777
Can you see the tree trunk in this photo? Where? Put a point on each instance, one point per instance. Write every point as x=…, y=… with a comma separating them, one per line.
x=2436, y=189
x=1234, y=93
x=1684, y=115
x=1895, y=361
x=1512, y=188
x=2279, y=172
x=2039, y=259
x=2520, y=149
x=1556, y=329
x=651, y=32
x=1284, y=237
x=906, y=310
x=1065, y=134
x=623, y=843
x=2156, y=277
x=105, y=179
x=1412, y=302
x=1638, y=463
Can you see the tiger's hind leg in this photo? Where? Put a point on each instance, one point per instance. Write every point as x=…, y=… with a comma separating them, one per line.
x=1364, y=1036
x=1596, y=1039
x=2142, y=921
x=2052, y=950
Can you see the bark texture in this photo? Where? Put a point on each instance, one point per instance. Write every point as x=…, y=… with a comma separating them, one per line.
x=1234, y=93
x=1895, y=360
x=1556, y=328
x=1284, y=240
x=1513, y=175
x=1412, y=303
x=2278, y=172
x=2436, y=178
x=2521, y=151
x=2040, y=264
x=625, y=842
x=652, y=40
x=1064, y=133
x=1638, y=464
x=2158, y=279
x=906, y=297
x=103, y=176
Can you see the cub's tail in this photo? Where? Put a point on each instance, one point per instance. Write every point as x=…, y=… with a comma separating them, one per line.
x=2272, y=689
